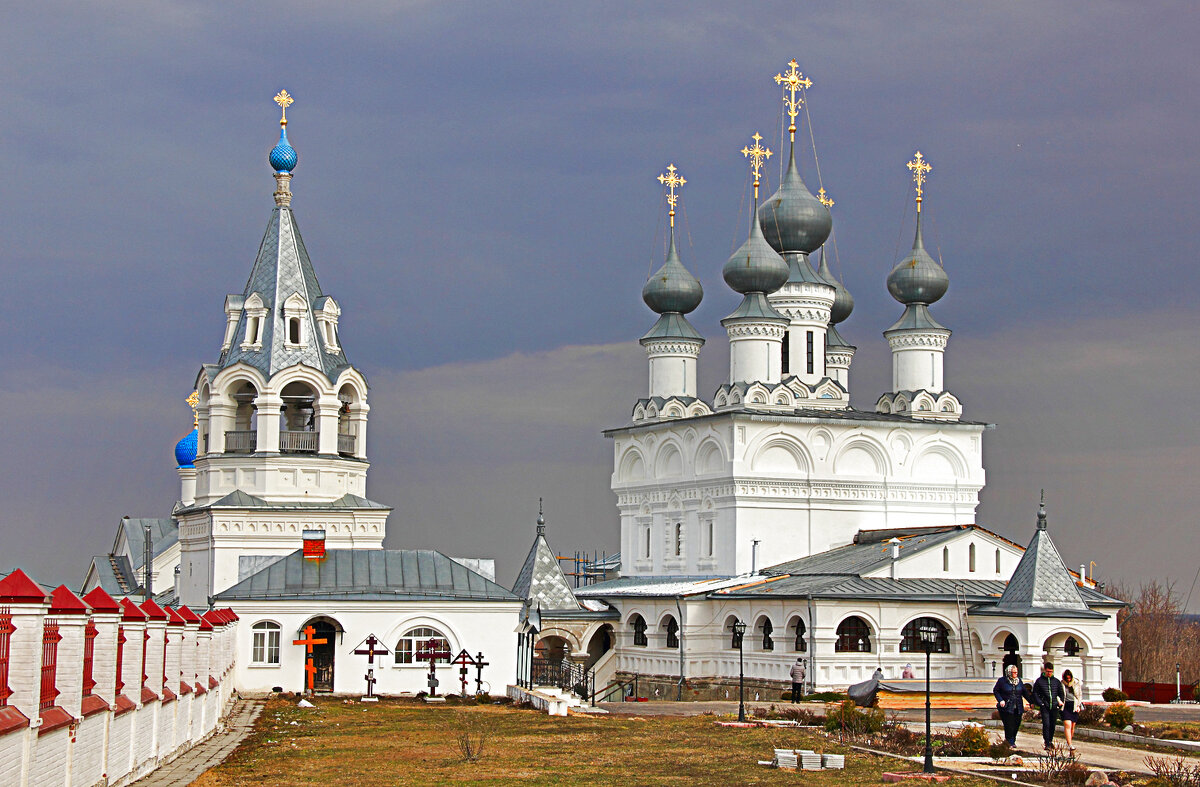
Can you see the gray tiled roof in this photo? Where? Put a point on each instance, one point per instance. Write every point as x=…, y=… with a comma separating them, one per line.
x=239, y=499
x=282, y=268
x=1041, y=583
x=367, y=575
x=841, y=586
x=858, y=559
x=541, y=581
x=163, y=533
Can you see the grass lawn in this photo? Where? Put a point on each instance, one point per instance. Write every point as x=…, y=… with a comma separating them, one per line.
x=399, y=742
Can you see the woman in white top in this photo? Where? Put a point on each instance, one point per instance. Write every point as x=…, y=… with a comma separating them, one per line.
x=1072, y=702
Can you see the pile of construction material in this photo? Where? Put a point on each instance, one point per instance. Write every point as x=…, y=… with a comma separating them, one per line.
x=807, y=760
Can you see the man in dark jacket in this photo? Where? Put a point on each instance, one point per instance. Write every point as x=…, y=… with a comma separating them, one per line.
x=1010, y=702
x=1048, y=696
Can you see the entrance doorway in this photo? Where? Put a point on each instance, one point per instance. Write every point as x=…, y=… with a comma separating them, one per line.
x=323, y=655
x=1011, y=646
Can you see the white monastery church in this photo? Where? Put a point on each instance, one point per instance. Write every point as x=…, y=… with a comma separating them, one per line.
x=832, y=533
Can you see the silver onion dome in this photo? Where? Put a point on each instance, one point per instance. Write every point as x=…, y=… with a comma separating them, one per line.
x=755, y=266
x=672, y=288
x=918, y=278
x=843, y=301
x=793, y=219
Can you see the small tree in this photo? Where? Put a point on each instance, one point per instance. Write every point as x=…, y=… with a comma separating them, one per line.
x=1118, y=716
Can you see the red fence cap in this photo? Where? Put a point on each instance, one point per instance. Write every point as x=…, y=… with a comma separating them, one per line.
x=130, y=611
x=173, y=617
x=187, y=615
x=153, y=611
x=18, y=588
x=64, y=602
x=101, y=601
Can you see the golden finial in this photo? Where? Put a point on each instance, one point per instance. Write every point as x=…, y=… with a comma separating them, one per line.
x=793, y=81
x=193, y=400
x=284, y=100
x=825, y=200
x=919, y=168
x=757, y=155
x=672, y=180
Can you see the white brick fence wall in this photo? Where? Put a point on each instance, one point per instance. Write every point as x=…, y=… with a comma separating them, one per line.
x=95, y=691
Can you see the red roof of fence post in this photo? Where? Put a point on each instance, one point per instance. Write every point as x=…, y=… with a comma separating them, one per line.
x=64, y=602
x=152, y=610
x=100, y=601
x=173, y=617
x=187, y=615
x=130, y=611
x=18, y=588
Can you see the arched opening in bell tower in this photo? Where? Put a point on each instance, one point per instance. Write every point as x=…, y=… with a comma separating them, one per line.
x=298, y=428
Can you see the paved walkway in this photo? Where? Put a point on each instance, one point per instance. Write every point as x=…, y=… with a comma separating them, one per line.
x=187, y=767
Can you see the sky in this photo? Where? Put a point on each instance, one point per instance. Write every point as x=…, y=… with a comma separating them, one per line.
x=476, y=187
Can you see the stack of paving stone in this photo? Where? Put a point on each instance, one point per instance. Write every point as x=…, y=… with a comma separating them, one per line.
x=810, y=760
x=835, y=762
x=785, y=758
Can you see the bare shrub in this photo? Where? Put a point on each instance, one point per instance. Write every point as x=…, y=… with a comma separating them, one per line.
x=473, y=730
x=1059, y=766
x=1175, y=772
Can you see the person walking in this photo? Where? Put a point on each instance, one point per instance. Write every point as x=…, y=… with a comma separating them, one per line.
x=798, y=674
x=1072, y=701
x=1010, y=702
x=1048, y=696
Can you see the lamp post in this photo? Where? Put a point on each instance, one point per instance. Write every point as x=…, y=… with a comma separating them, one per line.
x=928, y=634
x=1178, y=692
x=739, y=632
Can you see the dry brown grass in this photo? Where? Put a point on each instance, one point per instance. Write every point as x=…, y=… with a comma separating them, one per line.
x=407, y=743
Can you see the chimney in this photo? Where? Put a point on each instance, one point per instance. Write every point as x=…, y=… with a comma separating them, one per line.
x=314, y=544
x=754, y=556
x=147, y=560
x=895, y=544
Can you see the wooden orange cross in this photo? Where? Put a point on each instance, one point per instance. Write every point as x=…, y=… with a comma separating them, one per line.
x=308, y=641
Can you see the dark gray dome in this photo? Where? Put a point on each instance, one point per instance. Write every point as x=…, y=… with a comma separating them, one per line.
x=672, y=288
x=755, y=267
x=793, y=219
x=843, y=301
x=918, y=278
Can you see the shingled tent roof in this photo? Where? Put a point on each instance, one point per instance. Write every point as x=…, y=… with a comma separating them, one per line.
x=541, y=581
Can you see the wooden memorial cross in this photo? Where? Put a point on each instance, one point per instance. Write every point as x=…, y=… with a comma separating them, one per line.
x=431, y=651
x=479, y=665
x=462, y=660
x=308, y=641
x=370, y=652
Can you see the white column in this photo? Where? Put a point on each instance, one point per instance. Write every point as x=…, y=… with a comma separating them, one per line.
x=837, y=364
x=187, y=485
x=917, y=359
x=327, y=426
x=358, y=418
x=755, y=351
x=134, y=629
x=268, y=423
x=104, y=655
x=25, y=657
x=220, y=417
x=152, y=669
x=672, y=366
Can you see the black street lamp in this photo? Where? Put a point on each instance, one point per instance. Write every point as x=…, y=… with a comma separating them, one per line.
x=929, y=635
x=739, y=631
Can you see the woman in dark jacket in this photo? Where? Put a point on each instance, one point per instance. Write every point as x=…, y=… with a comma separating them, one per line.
x=1010, y=701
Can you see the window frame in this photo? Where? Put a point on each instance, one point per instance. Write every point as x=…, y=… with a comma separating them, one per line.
x=261, y=646
x=857, y=640
x=404, y=654
x=910, y=635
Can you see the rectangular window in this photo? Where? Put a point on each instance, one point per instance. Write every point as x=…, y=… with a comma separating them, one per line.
x=708, y=538
x=809, y=336
x=6, y=630
x=50, y=640
x=678, y=539
x=997, y=561
x=785, y=361
x=89, y=652
x=646, y=542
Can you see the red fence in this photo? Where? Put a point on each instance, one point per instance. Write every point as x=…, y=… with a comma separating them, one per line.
x=6, y=630
x=1155, y=692
x=50, y=640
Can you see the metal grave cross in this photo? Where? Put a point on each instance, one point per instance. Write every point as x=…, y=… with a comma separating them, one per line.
x=479, y=665
x=462, y=660
x=308, y=641
x=433, y=651
x=370, y=651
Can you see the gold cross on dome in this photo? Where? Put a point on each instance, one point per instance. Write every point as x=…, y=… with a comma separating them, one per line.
x=793, y=81
x=284, y=100
x=919, y=168
x=757, y=155
x=672, y=180
x=825, y=200
x=193, y=400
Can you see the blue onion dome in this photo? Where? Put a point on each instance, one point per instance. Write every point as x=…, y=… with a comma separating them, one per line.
x=185, y=449
x=755, y=266
x=672, y=288
x=793, y=220
x=283, y=155
x=918, y=278
x=843, y=301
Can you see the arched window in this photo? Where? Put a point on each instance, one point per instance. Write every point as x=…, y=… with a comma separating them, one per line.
x=639, y=631
x=294, y=330
x=735, y=640
x=766, y=628
x=997, y=561
x=1010, y=644
x=1071, y=647
x=971, y=557
x=910, y=636
x=672, y=633
x=265, y=643
x=801, y=643
x=945, y=558
x=418, y=639
x=678, y=536
x=853, y=636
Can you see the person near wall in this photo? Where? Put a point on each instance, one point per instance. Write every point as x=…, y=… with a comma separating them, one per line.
x=798, y=674
x=1072, y=701
x=1048, y=696
x=908, y=673
x=1010, y=702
